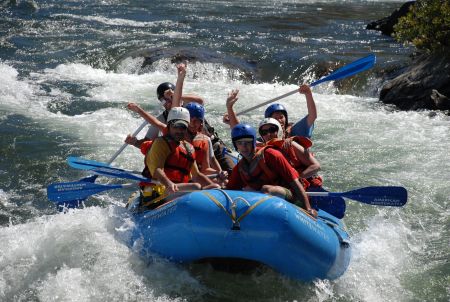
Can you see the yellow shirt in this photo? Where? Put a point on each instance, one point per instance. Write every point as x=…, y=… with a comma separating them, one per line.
x=158, y=154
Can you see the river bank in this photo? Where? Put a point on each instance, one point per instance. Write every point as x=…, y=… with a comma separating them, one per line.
x=424, y=83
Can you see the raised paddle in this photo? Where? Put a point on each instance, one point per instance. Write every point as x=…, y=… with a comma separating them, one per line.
x=92, y=178
x=343, y=72
x=376, y=196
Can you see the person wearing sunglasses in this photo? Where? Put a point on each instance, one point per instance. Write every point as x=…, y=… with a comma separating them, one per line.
x=171, y=159
x=295, y=149
x=265, y=169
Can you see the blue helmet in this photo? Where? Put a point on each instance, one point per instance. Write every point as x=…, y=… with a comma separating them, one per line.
x=196, y=110
x=276, y=107
x=243, y=131
x=163, y=87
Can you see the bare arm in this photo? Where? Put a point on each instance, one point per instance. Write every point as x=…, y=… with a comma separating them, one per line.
x=201, y=178
x=300, y=194
x=311, y=105
x=189, y=98
x=231, y=100
x=151, y=119
x=176, y=100
x=312, y=164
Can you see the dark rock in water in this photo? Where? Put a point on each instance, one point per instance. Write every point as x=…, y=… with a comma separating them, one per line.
x=423, y=85
x=27, y=5
x=386, y=25
x=247, y=68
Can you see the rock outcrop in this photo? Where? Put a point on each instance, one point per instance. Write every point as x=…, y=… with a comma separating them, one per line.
x=423, y=85
x=386, y=25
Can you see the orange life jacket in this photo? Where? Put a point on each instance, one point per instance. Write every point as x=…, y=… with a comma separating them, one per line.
x=201, y=146
x=256, y=173
x=178, y=163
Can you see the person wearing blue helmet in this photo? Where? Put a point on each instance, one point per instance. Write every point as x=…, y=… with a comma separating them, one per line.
x=265, y=169
x=204, y=152
x=303, y=127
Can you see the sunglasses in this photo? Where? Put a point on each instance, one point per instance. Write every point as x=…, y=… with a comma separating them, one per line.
x=268, y=130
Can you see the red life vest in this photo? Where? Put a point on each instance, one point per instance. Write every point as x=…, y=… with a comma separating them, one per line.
x=256, y=173
x=178, y=163
x=291, y=156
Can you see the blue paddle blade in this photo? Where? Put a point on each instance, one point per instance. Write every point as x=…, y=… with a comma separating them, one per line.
x=334, y=205
x=379, y=196
x=75, y=191
x=102, y=169
x=117, y=173
x=349, y=70
x=84, y=164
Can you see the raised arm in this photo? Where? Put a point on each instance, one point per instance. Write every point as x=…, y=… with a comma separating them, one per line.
x=231, y=100
x=311, y=105
x=151, y=119
x=176, y=100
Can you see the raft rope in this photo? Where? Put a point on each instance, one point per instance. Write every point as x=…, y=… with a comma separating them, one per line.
x=236, y=220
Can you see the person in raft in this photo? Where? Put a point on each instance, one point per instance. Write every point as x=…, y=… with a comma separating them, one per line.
x=204, y=155
x=169, y=96
x=171, y=160
x=303, y=127
x=295, y=149
x=265, y=169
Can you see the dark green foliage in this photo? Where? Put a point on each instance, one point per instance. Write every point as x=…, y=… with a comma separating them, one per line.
x=427, y=25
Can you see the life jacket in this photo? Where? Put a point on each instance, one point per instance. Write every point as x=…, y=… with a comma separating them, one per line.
x=145, y=147
x=178, y=163
x=290, y=154
x=201, y=146
x=256, y=173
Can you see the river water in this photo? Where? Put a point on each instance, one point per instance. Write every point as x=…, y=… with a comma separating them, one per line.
x=67, y=71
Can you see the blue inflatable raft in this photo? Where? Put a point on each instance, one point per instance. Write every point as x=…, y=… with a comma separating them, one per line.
x=221, y=224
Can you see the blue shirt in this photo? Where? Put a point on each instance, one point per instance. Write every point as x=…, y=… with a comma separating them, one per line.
x=301, y=128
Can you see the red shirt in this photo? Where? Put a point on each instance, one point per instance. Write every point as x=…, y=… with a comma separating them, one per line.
x=276, y=162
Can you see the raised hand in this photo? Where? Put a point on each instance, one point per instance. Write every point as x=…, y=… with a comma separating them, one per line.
x=134, y=107
x=305, y=89
x=232, y=98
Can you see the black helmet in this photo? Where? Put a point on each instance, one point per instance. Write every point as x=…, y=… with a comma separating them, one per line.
x=163, y=87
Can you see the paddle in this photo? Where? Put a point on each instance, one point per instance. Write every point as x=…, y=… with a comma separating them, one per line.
x=343, y=72
x=380, y=196
x=377, y=196
x=101, y=168
x=104, y=169
x=92, y=178
x=78, y=190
